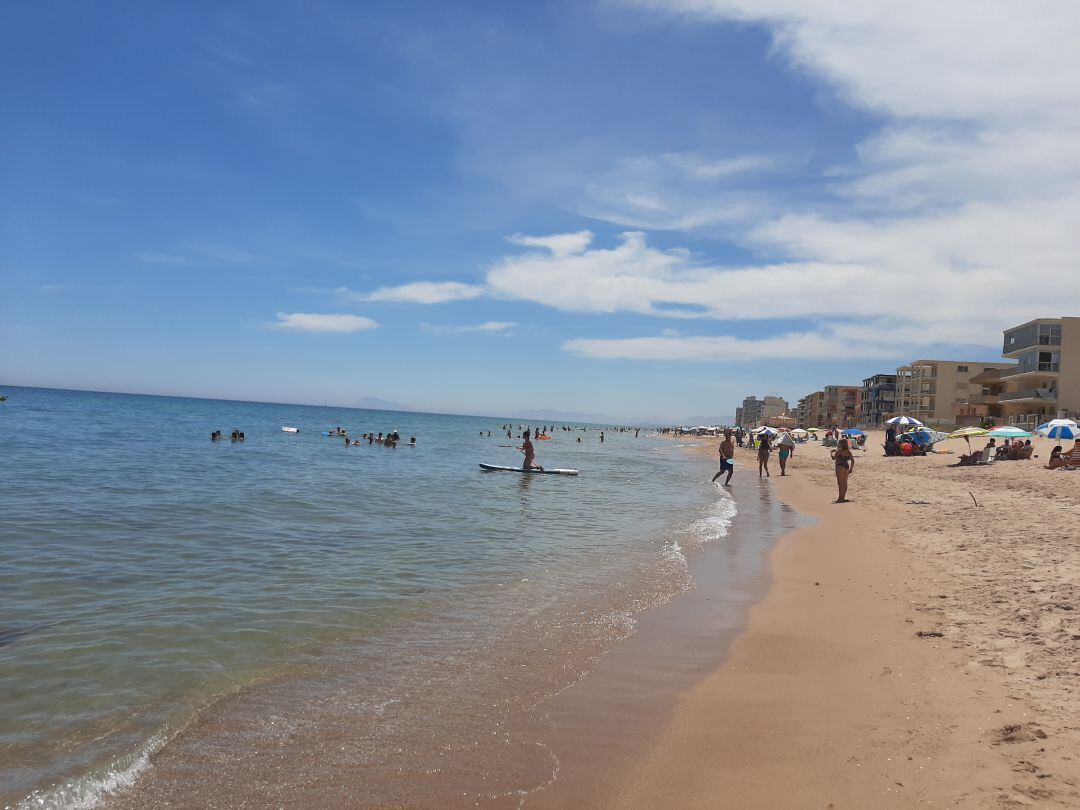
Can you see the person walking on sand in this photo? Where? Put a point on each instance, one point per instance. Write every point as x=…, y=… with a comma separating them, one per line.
x=845, y=466
x=785, y=447
x=727, y=453
x=763, y=451
x=530, y=453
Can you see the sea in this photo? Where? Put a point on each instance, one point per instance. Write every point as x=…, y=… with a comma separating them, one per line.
x=291, y=621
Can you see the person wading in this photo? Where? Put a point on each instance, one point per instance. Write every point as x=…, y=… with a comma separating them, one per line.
x=727, y=453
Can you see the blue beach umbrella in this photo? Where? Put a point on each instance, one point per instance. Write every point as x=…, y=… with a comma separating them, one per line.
x=920, y=437
x=1058, y=429
x=854, y=432
x=903, y=420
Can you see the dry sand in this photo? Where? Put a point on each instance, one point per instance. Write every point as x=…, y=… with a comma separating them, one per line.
x=915, y=649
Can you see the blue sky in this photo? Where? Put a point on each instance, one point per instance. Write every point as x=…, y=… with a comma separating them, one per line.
x=639, y=208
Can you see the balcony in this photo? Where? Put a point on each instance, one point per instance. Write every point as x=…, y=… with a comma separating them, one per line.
x=1047, y=395
x=983, y=399
x=1023, y=342
x=1034, y=370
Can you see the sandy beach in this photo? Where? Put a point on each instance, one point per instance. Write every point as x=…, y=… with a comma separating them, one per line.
x=919, y=646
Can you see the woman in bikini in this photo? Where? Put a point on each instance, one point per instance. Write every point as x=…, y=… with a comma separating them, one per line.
x=763, y=455
x=845, y=466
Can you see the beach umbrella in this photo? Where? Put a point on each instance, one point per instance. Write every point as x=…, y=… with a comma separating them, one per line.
x=854, y=432
x=1008, y=432
x=903, y=420
x=921, y=437
x=1058, y=429
x=966, y=433
x=815, y=430
x=765, y=430
x=799, y=432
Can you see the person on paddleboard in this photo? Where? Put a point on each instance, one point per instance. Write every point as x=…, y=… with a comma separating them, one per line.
x=530, y=453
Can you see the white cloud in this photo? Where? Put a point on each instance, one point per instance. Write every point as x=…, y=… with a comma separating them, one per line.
x=727, y=348
x=424, y=292
x=563, y=244
x=963, y=197
x=488, y=327
x=310, y=322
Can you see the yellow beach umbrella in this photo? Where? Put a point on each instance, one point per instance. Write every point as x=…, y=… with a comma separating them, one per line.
x=966, y=433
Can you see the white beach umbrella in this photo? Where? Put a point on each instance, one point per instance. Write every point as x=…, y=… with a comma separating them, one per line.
x=765, y=430
x=903, y=420
x=1058, y=429
x=799, y=432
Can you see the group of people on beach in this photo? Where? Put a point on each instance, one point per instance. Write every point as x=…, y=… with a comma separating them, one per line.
x=842, y=456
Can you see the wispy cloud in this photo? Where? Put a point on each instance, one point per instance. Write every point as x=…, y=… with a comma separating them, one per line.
x=158, y=257
x=310, y=322
x=423, y=292
x=727, y=348
x=56, y=287
x=488, y=327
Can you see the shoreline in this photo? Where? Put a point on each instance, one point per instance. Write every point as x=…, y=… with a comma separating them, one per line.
x=612, y=717
x=830, y=698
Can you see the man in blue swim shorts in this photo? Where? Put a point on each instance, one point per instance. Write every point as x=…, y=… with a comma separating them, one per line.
x=727, y=453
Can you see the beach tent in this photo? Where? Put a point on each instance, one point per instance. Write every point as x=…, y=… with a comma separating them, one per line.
x=903, y=420
x=1058, y=429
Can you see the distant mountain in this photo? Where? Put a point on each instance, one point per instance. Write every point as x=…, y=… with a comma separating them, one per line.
x=694, y=421
x=550, y=415
x=376, y=404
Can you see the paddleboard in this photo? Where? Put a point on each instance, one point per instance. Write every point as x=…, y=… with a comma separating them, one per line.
x=290, y=430
x=501, y=468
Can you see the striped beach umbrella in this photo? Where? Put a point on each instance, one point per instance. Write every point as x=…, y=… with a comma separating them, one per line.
x=1008, y=432
x=966, y=433
x=765, y=430
x=903, y=420
x=1058, y=429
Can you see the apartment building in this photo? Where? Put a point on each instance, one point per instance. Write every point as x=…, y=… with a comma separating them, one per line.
x=984, y=407
x=931, y=390
x=811, y=409
x=754, y=411
x=841, y=406
x=1045, y=381
x=878, y=399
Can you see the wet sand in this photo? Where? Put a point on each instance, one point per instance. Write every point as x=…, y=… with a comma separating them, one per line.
x=613, y=717
x=914, y=649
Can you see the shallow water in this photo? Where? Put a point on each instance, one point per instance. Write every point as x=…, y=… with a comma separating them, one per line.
x=329, y=611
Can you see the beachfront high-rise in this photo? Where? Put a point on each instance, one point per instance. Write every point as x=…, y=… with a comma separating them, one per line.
x=931, y=390
x=1045, y=382
x=754, y=411
x=842, y=406
x=811, y=410
x=878, y=399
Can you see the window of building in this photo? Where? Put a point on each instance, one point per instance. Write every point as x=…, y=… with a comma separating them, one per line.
x=962, y=369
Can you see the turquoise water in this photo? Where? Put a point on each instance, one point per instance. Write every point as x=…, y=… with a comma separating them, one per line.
x=153, y=582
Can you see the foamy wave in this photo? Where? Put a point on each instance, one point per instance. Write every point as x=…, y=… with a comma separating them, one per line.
x=88, y=791
x=716, y=524
x=672, y=553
